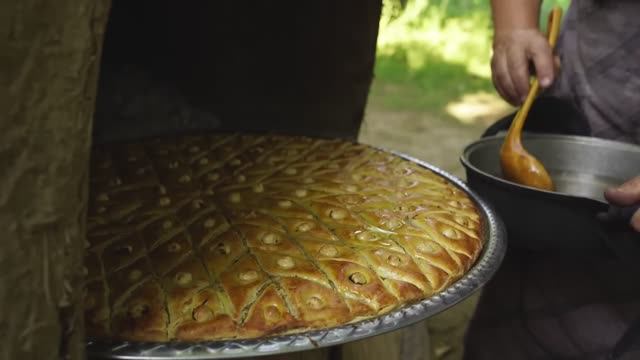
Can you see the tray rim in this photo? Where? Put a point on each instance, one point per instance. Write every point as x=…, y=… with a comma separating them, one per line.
x=481, y=272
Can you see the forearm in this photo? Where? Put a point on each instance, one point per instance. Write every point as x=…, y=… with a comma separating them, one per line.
x=515, y=14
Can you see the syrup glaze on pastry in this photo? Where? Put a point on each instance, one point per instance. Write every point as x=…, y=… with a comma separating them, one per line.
x=244, y=236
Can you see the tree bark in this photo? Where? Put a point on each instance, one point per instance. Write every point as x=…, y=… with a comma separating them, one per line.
x=49, y=57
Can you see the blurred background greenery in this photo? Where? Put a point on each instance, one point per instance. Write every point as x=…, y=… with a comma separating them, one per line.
x=433, y=56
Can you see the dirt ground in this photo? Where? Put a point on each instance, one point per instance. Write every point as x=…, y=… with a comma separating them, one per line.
x=439, y=142
x=428, y=134
x=422, y=135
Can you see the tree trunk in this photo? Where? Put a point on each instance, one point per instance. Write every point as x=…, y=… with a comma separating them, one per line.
x=49, y=57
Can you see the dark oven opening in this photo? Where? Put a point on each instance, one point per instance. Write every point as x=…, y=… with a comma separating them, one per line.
x=290, y=67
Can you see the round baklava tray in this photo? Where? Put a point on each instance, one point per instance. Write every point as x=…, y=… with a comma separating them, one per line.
x=234, y=245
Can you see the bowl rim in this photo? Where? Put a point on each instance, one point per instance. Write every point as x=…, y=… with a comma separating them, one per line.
x=512, y=186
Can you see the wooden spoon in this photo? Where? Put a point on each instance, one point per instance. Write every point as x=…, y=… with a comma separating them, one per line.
x=517, y=164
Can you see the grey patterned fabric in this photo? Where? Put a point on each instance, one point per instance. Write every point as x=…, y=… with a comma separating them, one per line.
x=548, y=306
x=600, y=51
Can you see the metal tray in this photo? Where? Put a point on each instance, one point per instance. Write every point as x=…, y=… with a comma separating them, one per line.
x=483, y=270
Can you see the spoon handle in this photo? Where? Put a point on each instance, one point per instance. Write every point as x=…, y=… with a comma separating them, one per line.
x=553, y=25
x=553, y=30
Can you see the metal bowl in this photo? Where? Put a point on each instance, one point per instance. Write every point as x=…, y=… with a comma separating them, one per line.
x=581, y=167
x=482, y=271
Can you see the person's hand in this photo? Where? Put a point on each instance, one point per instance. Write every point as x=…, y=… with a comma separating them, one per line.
x=513, y=52
x=627, y=194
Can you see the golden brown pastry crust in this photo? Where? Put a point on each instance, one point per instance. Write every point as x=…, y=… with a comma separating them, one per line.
x=242, y=236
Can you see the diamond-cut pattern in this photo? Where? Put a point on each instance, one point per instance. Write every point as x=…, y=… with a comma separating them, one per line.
x=243, y=236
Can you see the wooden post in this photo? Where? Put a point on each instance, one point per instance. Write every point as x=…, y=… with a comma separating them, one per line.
x=49, y=56
x=409, y=343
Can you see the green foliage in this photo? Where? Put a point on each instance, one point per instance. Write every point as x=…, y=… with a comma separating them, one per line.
x=429, y=87
x=546, y=7
x=432, y=52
